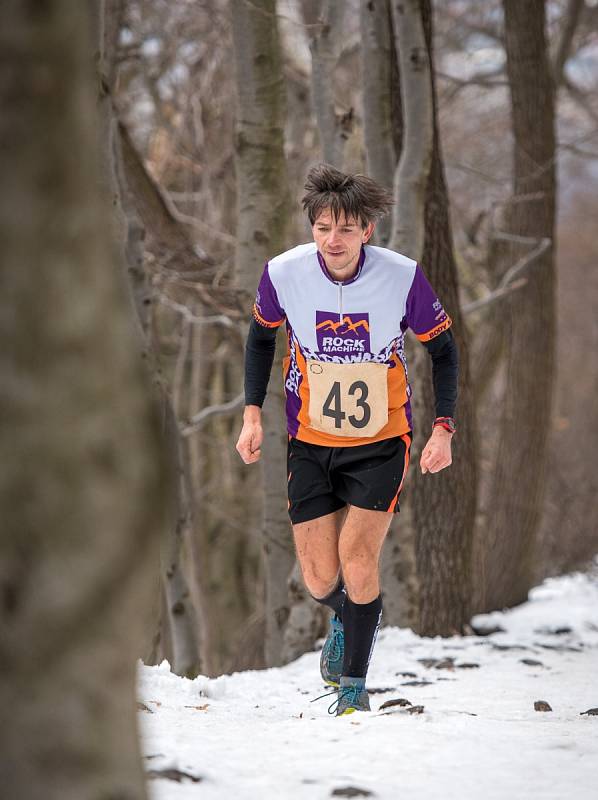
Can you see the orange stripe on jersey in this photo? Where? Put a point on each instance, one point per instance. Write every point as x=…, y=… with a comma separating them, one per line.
x=432, y=334
x=397, y=385
x=407, y=441
x=264, y=322
x=303, y=415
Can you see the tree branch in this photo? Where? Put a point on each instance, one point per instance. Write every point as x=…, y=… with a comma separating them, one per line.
x=483, y=79
x=199, y=420
x=185, y=219
x=189, y=316
x=563, y=50
x=511, y=280
x=580, y=98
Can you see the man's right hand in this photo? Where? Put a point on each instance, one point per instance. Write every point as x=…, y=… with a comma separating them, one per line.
x=251, y=436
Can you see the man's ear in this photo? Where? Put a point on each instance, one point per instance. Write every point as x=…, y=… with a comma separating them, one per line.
x=367, y=233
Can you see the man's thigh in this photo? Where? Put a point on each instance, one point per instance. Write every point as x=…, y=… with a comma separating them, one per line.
x=362, y=535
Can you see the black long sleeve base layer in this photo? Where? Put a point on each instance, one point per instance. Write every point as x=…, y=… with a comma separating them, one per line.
x=335, y=600
x=361, y=622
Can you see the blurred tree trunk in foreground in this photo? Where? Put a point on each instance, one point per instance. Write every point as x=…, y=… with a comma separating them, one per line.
x=83, y=489
x=528, y=315
x=262, y=225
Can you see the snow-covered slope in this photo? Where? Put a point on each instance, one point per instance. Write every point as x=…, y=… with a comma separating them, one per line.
x=256, y=735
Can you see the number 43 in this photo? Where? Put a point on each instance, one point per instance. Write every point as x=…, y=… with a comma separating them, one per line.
x=333, y=405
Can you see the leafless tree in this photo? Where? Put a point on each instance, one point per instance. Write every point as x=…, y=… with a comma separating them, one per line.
x=520, y=472
x=84, y=488
x=380, y=91
x=263, y=211
x=178, y=626
x=324, y=22
x=427, y=564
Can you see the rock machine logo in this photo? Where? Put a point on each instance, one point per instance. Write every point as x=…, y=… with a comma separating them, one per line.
x=349, y=335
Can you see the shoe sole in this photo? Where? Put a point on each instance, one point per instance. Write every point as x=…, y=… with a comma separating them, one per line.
x=350, y=710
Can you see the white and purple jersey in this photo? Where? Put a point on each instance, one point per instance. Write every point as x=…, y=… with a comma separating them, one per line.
x=360, y=320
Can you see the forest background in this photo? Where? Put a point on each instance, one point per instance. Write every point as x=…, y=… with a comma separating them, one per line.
x=221, y=116
x=154, y=155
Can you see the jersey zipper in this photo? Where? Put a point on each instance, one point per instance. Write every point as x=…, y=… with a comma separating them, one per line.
x=340, y=303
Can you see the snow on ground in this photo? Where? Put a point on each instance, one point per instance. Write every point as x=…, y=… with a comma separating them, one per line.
x=256, y=734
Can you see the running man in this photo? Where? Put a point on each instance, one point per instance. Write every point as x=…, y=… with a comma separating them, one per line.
x=346, y=305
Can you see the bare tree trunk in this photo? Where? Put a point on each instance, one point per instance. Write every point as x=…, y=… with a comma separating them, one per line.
x=408, y=229
x=180, y=607
x=307, y=621
x=377, y=55
x=85, y=497
x=107, y=16
x=529, y=316
x=427, y=567
x=325, y=31
x=445, y=510
x=198, y=541
x=401, y=580
x=263, y=211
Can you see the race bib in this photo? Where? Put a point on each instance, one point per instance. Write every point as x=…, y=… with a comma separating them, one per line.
x=348, y=399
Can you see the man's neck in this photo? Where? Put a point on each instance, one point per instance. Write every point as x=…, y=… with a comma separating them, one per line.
x=346, y=273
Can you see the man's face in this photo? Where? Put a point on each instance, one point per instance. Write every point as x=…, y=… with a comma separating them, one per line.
x=340, y=242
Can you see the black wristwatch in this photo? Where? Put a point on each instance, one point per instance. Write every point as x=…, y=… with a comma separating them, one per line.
x=448, y=423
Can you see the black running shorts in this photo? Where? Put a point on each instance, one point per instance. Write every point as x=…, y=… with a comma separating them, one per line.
x=324, y=479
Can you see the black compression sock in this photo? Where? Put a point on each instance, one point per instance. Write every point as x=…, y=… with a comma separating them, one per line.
x=335, y=600
x=361, y=622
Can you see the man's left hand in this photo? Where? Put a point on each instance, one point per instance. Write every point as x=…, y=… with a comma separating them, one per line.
x=436, y=455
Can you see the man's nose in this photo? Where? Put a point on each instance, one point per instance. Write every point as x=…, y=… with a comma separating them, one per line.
x=332, y=236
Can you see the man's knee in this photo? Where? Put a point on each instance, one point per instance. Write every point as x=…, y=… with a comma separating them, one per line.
x=318, y=581
x=360, y=574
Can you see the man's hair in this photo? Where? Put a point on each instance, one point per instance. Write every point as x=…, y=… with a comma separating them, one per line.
x=354, y=195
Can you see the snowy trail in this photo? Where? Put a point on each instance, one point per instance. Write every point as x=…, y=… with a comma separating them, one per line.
x=256, y=735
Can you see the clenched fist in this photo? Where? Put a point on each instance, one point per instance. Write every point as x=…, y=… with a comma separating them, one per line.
x=436, y=455
x=250, y=439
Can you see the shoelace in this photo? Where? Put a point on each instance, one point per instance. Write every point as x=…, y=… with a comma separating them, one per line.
x=352, y=692
x=334, y=651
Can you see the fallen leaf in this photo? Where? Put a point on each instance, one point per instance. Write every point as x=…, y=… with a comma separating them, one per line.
x=172, y=774
x=351, y=791
x=399, y=701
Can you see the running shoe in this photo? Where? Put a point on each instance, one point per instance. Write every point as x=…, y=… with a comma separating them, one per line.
x=333, y=651
x=352, y=696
